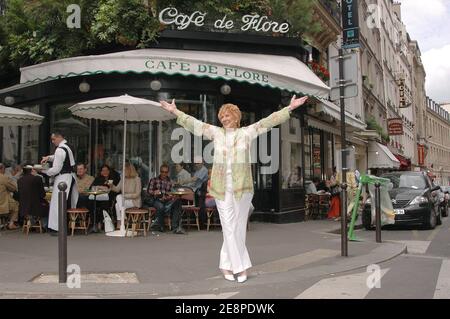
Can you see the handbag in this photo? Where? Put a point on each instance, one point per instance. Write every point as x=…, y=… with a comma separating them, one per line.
x=109, y=226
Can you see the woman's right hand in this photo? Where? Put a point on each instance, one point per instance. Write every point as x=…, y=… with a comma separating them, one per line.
x=171, y=107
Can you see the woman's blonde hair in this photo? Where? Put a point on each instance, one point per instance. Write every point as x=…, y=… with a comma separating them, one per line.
x=130, y=171
x=233, y=109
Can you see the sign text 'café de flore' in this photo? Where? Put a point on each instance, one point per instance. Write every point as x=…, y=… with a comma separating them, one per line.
x=250, y=22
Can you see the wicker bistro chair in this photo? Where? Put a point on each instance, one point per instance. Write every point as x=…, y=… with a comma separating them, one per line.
x=30, y=222
x=312, y=204
x=213, y=217
x=324, y=204
x=189, y=210
x=78, y=219
x=138, y=218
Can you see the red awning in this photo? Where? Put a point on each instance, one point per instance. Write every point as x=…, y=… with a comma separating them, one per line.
x=404, y=162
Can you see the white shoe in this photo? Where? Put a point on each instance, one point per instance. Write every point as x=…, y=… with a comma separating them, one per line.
x=228, y=277
x=242, y=278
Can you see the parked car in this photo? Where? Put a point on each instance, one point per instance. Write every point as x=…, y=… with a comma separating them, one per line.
x=414, y=198
x=444, y=200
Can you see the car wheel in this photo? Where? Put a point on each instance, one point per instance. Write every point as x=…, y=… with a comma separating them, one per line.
x=367, y=220
x=431, y=222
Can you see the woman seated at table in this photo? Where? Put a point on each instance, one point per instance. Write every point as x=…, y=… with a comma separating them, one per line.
x=104, y=201
x=131, y=197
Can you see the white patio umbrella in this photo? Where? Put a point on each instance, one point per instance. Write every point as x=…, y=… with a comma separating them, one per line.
x=10, y=116
x=118, y=108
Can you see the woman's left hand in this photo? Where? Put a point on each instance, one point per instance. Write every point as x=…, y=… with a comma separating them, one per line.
x=295, y=103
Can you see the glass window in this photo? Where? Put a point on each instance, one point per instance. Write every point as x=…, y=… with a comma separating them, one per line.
x=10, y=153
x=316, y=154
x=307, y=148
x=30, y=140
x=76, y=131
x=291, y=154
x=109, y=146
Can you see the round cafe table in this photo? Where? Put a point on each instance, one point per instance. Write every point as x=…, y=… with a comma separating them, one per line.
x=95, y=194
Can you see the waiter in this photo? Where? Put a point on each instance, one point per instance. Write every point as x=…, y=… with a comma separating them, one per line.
x=63, y=170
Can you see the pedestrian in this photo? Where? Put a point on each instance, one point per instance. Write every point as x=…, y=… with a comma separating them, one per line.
x=231, y=177
x=63, y=170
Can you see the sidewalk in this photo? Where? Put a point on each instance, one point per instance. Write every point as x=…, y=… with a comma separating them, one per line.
x=171, y=264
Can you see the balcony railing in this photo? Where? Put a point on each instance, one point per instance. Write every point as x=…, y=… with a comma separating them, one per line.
x=333, y=8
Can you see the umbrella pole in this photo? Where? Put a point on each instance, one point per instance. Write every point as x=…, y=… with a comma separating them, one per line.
x=122, y=221
x=122, y=232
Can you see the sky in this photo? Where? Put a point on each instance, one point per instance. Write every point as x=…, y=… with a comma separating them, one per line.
x=428, y=22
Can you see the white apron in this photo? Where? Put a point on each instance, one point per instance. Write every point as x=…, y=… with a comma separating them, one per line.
x=53, y=214
x=69, y=179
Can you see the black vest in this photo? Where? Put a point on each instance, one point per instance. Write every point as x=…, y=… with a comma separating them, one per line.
x=67, y=168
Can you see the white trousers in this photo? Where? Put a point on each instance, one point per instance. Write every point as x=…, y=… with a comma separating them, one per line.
x=233, y=217
x=121, y=204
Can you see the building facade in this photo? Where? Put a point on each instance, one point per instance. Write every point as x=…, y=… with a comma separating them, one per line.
x=438, y=132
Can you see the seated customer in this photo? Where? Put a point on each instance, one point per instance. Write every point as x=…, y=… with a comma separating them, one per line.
x=131, y=196
x=101, y=182
x=8, y=206
x=159, y=187
x=84, y=182
x=183, y=177
x=31, y=196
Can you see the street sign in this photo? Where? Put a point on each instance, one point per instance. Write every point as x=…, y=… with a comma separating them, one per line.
x=395, y=126
x=401, y=89
x=350, y=24
x=350, y=90
x=350, y=69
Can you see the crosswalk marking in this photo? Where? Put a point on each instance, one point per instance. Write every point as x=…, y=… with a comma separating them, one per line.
x=415, y=246
x=289, y=263
x=225, y=295
x=443, y=283
x=433, y=234
x=342, y=287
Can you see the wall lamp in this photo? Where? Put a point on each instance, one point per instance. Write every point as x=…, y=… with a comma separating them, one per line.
x=84, y=87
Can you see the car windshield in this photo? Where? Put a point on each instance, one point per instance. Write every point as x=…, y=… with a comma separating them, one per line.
x=407, y=181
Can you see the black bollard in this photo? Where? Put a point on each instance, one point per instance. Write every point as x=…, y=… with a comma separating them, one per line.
x=62, y=232
x=344, y=240
x=378, y=212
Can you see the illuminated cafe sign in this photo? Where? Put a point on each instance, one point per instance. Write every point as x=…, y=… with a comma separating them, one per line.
x=171, y=16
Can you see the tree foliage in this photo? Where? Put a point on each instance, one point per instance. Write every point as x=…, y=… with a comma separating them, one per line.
x=35, y=31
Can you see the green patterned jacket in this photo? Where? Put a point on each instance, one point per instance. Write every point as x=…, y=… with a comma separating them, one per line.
x=240, y=152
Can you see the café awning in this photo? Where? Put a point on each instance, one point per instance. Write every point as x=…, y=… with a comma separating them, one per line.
x=331, y=109
x=380, y=156
x=273, y=71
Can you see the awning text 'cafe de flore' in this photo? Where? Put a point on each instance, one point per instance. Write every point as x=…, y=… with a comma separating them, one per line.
x=201, y=70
